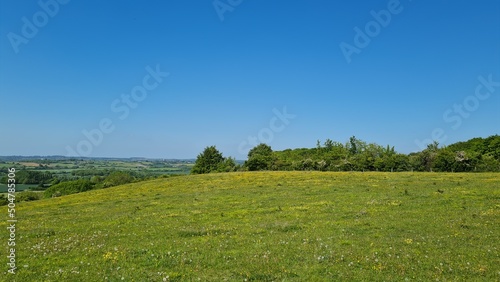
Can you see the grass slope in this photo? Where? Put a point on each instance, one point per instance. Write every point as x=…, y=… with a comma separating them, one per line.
x=267, y=226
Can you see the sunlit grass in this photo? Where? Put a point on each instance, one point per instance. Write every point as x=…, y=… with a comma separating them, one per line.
x=268, y=226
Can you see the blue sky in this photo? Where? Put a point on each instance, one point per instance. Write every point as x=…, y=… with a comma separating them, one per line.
x=234, y=67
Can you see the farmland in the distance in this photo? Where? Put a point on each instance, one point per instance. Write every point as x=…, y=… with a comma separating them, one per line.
x=66, y=169
x=268, y=226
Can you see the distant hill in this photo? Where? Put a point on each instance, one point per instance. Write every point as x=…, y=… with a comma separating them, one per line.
x=65, y=158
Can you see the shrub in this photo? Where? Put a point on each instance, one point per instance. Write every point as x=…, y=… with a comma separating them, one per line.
x=210, y=160
x=260, y=158
x=69, y=187
x=27, y=196
x=117, y=178
x=3, y=200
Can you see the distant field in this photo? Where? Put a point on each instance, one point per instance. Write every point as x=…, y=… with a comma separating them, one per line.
x=268, y=226
x=67, y=168
x=29, y=164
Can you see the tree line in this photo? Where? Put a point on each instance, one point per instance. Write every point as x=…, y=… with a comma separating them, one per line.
x=475, y=155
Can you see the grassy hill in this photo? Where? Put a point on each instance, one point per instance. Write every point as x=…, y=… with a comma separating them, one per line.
x=267, y=226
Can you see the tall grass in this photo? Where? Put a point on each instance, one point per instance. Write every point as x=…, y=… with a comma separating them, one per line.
x=268, y=226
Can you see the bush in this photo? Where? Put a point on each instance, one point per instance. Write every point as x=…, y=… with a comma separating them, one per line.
x=117, y=178
x=69, y=187
x=228, y=165
x=27, y=196
x=210, y=160
x=3, y=200
x=260, y=158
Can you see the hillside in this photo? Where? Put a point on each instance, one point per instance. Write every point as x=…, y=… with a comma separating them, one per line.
x=267, y=226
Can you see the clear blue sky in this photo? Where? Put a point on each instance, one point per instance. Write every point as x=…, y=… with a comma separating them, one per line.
x=229, y=69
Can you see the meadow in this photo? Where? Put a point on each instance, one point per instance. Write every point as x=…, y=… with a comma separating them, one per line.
x=267, y=226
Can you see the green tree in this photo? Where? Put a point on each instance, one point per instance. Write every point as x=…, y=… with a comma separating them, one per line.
x=401, y=162
x=415, y=161
x=318, y=145
x=68, y=187
x=32, y=177
x=228, y=165
x=444, y=160
x=116, y=178
x=26, y=196
x=3, y=200
x=429, y=155
x=488, y=163
x=493, y=146
x=260, y=158
x=368, y=156
x=353, y=148
x=210, y=160
x=329, y=144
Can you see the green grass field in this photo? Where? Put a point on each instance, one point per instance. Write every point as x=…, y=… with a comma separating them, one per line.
x=267, y=226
